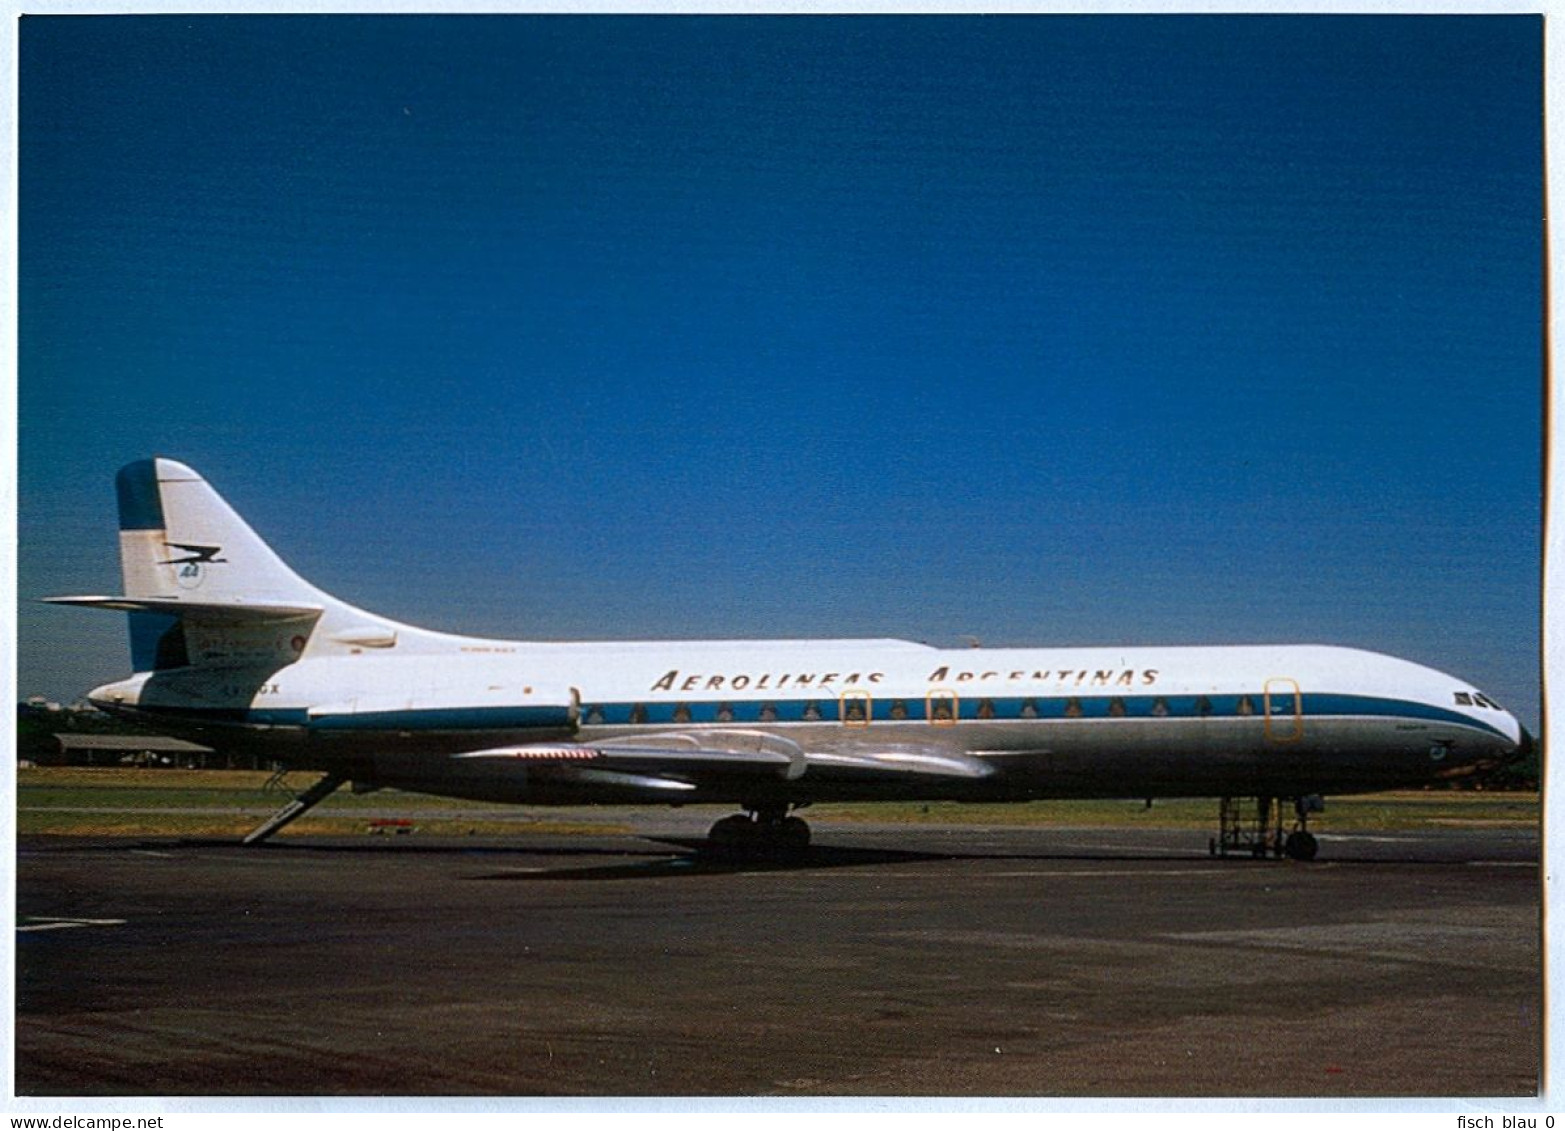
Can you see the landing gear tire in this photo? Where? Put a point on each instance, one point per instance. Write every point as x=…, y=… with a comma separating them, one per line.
x=767, y=836
x=732, y=836
x=793, y=835
x=1300, y=846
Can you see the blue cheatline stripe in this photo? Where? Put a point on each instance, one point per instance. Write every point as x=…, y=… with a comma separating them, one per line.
x=827, y=710
x=890, y=709
x=1398, y=708
x=448, y=718
x=141, y=506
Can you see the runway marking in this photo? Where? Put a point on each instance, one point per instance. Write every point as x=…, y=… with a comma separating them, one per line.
x=871, y=874
x=1099, y=846
x=1502, y=863
x=55, y=923
x=1144, y=872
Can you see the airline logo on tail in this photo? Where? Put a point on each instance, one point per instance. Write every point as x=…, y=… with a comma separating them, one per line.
x=187, y=570
x=198, y=554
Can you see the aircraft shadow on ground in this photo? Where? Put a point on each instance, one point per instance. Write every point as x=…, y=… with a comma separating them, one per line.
x=696, y=859
x=692, y=857
x=681, y=856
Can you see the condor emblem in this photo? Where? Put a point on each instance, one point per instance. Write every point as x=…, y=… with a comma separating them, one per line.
x=188, y=570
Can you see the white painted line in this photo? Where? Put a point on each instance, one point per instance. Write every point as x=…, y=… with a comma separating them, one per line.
x=1148, y=873
x=1502, y=863
x=871, y=874
x=45, y=923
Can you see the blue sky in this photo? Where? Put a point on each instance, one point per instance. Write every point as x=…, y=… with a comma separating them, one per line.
x=1046, y=330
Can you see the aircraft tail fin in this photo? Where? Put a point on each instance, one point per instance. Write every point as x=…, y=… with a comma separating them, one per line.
x=200, y=585
x=179, y=539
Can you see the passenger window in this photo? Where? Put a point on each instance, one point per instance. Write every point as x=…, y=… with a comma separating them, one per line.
x=1116, y=708
x=638, y=713
x=986, y=708
x=1030, y=709
x=594, y=716
x=725, y=713
x=898, y=709
x=1245, y=706
x=812, y=713
x=1203, y=706
x=1073, y=709
x=682, y=713
x=1160, y=707
x=768, y=712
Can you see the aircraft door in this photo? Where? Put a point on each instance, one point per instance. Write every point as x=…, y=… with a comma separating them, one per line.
x=1284, y=711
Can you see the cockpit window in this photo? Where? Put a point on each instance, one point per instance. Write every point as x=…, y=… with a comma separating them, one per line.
x=1475, y=699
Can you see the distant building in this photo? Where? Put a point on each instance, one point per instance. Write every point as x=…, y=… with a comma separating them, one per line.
x=147, y=750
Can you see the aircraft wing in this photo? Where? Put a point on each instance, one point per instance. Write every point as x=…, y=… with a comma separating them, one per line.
x=679, y=762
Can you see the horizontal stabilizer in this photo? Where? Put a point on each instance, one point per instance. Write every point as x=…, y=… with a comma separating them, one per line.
x=227, y=612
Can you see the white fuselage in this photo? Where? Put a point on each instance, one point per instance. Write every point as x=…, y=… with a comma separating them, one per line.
x=1132, y=721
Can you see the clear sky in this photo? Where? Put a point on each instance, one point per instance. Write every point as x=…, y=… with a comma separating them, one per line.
x=1046, y=330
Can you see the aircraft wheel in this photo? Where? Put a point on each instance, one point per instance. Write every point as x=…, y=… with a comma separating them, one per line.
x=732, y=834
x=1300, y=846
x=793, y=835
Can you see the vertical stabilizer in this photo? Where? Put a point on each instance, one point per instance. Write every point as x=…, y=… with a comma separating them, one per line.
x=179, y=541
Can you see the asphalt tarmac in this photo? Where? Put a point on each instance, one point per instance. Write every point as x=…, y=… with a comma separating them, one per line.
x=896, y=961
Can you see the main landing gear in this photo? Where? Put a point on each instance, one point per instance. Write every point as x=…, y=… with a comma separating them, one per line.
x=763, y=832
x=1254, y=826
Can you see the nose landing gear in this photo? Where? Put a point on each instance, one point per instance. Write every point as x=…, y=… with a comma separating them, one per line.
x=1299, y=845
x=1255, y=828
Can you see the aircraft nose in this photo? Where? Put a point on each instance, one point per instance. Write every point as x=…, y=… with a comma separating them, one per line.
x=1523, y=749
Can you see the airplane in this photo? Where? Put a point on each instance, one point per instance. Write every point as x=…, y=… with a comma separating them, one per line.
x=233, y=649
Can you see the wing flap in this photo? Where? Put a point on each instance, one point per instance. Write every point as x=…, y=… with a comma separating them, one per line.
x=899, y=763
x=690, y=760
x=718, y=755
